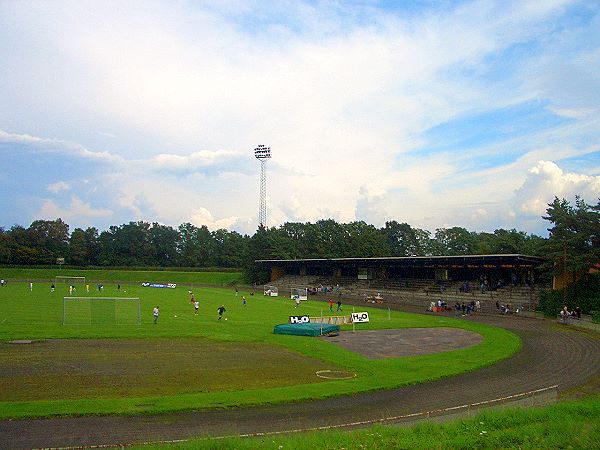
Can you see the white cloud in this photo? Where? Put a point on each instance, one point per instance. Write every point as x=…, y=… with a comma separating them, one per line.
x=342, y=93
x=547, y=180
x=202, y=216
x=77, y=210
x=194, y=160
x=58, y=186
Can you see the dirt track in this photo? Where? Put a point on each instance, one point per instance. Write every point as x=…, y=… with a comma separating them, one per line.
x=551, y=354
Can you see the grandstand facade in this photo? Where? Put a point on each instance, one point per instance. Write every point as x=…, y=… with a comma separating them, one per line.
x=415, y=280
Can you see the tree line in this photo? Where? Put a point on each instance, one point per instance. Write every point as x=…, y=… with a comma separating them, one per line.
x=573, y=243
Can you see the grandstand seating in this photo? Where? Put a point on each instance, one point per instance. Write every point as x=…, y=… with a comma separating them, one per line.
x=415, y=292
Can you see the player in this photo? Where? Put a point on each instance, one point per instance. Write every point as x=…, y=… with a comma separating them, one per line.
x=244, y=302
x=221, y=309
x=52, y=287
x=155, y=314
x=297, y=301
x=331, y=305
x=70, y=289
x=30, y=286
x=196, y=306
x=339, y=305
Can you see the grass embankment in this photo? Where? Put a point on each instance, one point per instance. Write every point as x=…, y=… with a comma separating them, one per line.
x=125, y=276
x=38, y=315
x=563, y=425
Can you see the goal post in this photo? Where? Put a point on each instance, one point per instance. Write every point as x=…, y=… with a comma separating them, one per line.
x=59, y=279
x=299, y=293
x=101, y=311
x=271, y=291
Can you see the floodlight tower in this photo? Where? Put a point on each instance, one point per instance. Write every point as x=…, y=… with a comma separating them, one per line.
x=262, y=153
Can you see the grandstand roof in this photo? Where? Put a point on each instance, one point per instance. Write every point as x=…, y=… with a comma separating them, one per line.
x=416, y=261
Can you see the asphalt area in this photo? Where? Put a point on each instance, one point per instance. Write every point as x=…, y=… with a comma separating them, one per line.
x=378, y=344
x=551, y=354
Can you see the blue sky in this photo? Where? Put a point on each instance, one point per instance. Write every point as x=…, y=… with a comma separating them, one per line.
x=435, y=113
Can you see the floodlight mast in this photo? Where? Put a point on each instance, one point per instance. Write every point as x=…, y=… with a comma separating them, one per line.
x=262, y=153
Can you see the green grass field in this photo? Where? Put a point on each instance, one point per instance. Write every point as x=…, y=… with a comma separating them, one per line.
x=180, y=340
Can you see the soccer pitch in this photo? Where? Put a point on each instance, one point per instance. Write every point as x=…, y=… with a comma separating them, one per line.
x=187, y=361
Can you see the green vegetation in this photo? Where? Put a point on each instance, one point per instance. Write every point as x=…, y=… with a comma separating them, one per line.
x=584, y=293
x=563, y=425
x=37, y=315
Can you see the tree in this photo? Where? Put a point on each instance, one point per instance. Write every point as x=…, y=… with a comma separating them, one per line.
x=5, y=246
x=163, y=245
x=574, y=243
x=50, y=239
x=403, y=240
x=454, y=241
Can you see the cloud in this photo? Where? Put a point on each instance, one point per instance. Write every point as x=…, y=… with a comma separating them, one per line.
x=346, y=94
x=547, y=180
x=202, y=216
x=77, y=210
x=194, y=160
x=58, y=186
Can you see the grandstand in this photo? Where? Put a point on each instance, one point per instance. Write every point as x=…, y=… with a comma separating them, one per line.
x=416, y=281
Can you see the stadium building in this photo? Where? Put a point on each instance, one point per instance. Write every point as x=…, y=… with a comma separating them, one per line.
x=416, y=280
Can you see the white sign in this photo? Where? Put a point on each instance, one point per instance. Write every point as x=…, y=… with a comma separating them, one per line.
x=360, y=317
x=299, y=319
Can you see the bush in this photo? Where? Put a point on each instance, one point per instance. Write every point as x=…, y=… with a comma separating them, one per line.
x=584, y=293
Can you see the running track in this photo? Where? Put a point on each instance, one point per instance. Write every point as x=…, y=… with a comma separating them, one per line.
x=551, y=354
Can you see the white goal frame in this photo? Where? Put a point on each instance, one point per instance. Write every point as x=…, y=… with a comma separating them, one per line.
x=65, y=279
x=300, y=293
x=82, y=299
x=270, y=290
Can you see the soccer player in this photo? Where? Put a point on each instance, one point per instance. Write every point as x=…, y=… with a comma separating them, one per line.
x=339, y=305
x=196, y=306
x=52, y=287
x=221, y=310
x=244, y=300
x=30, y=286
x=155, y=313
x=331, y=305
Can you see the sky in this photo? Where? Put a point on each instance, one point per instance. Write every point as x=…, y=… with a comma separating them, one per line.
x=434, y=113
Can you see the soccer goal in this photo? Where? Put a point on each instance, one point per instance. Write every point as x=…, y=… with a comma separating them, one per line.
x=299, y=293
x=69, y=280
x=101, y=311
x=271, y=291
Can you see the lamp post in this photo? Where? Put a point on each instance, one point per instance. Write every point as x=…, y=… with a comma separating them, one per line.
x=262, y=153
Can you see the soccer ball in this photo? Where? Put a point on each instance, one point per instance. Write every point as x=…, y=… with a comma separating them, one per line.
x=225, y=318
x=175, y=315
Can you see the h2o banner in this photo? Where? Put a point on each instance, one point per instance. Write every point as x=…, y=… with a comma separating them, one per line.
x=299, y=319
x=360, y=317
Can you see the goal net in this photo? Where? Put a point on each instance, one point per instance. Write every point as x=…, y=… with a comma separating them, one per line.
x=101, y=311
x=299, y=293
x=69, y=280
x=271, y=291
